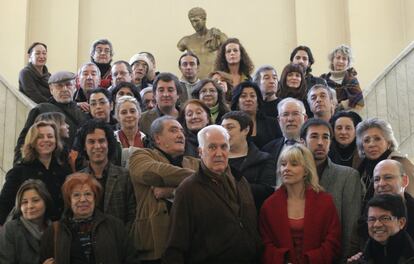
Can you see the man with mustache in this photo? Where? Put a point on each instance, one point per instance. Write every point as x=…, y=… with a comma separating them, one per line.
x=343, y=183
x=62, y=87
x=167, y=90
x=213, y=218
x=98, y=145
x=154, y=174
x=389, y=178
x=292, y=115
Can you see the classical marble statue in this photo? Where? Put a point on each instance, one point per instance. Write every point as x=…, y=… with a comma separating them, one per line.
x=204, y=42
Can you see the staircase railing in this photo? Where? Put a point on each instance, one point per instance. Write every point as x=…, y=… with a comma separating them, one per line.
x=14, y=107
x=391, y=97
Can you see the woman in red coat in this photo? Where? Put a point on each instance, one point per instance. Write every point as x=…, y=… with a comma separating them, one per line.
x=299, y=222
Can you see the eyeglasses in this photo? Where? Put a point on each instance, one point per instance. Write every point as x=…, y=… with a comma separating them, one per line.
x=104, y=51
x=384, y=219
x=78, y=195
x=99, y=102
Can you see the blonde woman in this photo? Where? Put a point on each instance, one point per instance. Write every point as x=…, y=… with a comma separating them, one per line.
x=299, y=222
x=41, y=159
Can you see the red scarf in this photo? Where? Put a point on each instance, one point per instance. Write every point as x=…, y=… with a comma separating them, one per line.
x=125, y=143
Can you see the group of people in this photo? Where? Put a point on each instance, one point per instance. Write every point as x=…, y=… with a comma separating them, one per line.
x=120, y=163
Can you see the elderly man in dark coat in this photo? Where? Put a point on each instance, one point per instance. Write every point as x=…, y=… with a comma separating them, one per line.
x=213, y=215
x=62, y=88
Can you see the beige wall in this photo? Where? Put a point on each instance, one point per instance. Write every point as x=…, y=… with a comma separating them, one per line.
x=377, y=30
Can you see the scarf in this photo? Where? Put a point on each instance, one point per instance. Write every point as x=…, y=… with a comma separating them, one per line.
x=214, y=111
x=125, y=143
x=35, y=230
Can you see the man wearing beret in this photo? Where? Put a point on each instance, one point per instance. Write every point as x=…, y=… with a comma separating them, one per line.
x=62, y=87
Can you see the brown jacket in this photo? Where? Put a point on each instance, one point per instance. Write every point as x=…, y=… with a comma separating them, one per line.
x=150, y=168
x=209, y=225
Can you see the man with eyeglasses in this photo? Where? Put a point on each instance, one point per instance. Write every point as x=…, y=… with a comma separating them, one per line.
x=342, y=182
x=388, y=240
x=121, y=72
x=389, y=178
x=62, y=87
x=292, y=115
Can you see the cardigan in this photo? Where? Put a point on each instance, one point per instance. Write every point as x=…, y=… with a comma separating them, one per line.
x=321, y=232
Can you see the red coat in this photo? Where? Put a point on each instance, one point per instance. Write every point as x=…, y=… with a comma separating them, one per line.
x=322, y=229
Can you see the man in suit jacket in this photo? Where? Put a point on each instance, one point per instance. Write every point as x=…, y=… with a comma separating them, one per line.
x=98, y=144
x=340, y=181
x=292, y=115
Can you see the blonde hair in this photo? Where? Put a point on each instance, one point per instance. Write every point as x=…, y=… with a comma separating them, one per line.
x=29, y=152
x=301, y=155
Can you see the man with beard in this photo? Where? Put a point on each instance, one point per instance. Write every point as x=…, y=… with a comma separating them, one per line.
x=292, y=115
x=341, y=182
x=302, y=55
x=98, y=145
x=166, y=91
x=189, y=65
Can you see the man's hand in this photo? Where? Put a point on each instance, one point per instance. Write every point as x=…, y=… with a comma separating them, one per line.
x=84, y=106
x=355, y=257
x=49, y=261
x=163, y=192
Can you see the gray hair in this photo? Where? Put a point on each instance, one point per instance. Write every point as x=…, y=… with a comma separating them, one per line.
x=103, y=42
x=256, y=75
x=291, y=100
x=158, y=125
x=344, y=49
x=382, y=125
x=124, y=99
x=201, y=135
x=89, y=64
x=320, y=86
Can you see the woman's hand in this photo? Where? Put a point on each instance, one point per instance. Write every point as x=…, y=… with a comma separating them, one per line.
x=49, y=261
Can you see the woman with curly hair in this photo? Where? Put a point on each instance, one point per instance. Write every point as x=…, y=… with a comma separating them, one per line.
x=233, y=58
x=342, y=78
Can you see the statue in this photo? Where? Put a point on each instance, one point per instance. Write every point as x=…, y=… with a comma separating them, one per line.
x=204, y=42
